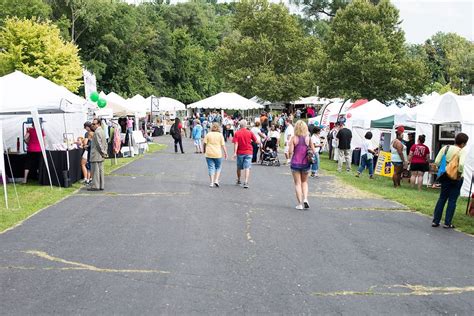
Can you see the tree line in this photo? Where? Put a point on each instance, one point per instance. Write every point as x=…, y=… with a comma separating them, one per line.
x=189, y=51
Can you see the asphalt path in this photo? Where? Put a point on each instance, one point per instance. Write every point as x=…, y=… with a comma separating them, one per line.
x=159, y=240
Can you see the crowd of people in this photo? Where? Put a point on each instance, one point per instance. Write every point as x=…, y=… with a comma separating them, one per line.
x=303, y=145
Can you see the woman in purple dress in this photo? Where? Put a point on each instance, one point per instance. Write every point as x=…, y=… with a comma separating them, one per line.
x=300, y=165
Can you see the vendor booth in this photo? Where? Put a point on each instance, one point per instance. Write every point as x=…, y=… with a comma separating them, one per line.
x=439, y=119
x=60, y=114
x=228, y=101
x=163, y=111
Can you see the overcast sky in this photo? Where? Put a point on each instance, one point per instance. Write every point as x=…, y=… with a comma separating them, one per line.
x=424, y=18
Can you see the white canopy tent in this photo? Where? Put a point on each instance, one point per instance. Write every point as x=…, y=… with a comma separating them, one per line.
x=22, y=96
x=226, y=101
x=118, y=104
x=359, y=119
x=445, y=109
x=138, y=105
x=312, y=100
x=164, y=104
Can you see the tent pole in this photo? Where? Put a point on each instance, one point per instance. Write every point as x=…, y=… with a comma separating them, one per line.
x=13, y=177
x=469, y=196
x=2, y=165
x=39, y=133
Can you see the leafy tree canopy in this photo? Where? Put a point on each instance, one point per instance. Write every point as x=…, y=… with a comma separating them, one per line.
x=24, y=9
x=267, y=54
x=367, y=57
x=37, y=49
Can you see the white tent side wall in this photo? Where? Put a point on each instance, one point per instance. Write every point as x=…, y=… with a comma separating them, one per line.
x=2, y=166
x=469, y=163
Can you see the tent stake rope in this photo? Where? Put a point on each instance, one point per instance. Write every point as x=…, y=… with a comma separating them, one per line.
x=13, y=177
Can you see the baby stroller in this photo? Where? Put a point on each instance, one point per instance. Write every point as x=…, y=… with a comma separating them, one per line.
x=269, y=156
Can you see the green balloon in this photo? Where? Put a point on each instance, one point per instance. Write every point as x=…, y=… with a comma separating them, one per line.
x=94, y=96
x=101, y=103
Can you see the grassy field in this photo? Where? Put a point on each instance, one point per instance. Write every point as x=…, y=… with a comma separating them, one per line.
x=422, y=201
x=33, y=197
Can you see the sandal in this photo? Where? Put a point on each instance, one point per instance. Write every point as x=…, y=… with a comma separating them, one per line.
x=450, y=226
x=434, y=225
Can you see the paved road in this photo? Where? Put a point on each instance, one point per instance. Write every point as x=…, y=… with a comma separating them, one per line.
x=160, y=241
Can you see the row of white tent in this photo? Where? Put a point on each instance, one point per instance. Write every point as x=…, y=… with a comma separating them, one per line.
x=139, y=106
x=434, y=110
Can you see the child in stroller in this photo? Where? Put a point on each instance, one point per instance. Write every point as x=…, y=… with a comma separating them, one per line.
x=269, y=156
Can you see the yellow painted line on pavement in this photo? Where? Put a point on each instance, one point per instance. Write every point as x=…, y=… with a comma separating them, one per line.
x=371, y=209
x=78, y=265
x=248, y=224
x=135, y=194
x=413, y=290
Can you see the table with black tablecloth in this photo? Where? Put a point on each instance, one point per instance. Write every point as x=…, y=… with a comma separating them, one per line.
x=57, y=161
x=17, y=164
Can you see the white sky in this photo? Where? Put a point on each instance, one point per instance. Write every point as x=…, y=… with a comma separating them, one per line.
x=423, y=18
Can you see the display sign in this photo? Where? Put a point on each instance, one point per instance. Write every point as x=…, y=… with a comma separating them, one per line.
x=90, y=83
x=384, y=165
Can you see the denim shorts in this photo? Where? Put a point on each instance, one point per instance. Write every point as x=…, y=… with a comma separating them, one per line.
x=197, y=142
x=213, y=165
x=244, y=161
x=300, y=169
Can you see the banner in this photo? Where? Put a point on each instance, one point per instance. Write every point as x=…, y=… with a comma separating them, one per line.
x=90, y=84
x=384, y=165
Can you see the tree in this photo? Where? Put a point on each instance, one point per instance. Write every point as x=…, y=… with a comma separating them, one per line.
x=450, y=58
x=37, y=50
x=367, y=57
x=267, y=54
x=81, y=15
x=24, y=9
x=323, y=8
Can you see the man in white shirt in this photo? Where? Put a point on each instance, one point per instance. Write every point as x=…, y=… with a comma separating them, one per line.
x=289, y=132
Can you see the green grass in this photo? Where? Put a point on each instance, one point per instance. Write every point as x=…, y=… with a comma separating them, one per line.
x=34, y=197
x=421, y=201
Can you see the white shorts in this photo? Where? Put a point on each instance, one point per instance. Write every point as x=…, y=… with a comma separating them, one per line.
x=197, y=142
x=287, y=149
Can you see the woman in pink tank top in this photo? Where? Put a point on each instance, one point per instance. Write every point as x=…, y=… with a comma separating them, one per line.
x=33, y=156
x=300, y=166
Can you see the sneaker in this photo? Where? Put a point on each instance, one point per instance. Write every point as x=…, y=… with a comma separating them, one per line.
x=348, y=170
x=312, y=175
x=299, y=207
x=216, y=184
x=306, y=204
x=211, y=185
x=357, y=175
x=371, y=177
x=238, y=182
x=246, y=185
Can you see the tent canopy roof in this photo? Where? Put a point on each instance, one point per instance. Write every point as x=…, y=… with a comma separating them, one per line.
x=22, y=93
x=387, y=122
x=226, y=101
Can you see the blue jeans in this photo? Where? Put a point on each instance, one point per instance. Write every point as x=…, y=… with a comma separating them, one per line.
x=244, y=162
x=366, y=163
x=450, y=190
x=213, y=165
x=315, y=165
